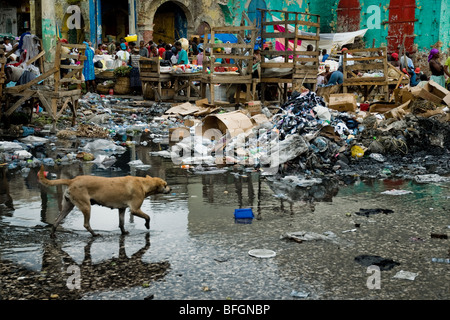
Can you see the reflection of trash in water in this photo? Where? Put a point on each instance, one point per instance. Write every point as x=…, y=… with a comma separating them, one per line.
x=368, y=212
x=395, y=192
x=382, y=263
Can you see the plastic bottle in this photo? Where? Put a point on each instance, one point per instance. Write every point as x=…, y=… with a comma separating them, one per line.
x=440, y=260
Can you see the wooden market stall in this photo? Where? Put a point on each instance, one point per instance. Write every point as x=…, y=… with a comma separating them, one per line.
x=152, y=78
x=56, y=98
x=236, y=67
x=374, y=69
x=292, y=64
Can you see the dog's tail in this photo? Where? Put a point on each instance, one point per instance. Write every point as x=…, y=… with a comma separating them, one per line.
x=46, y=182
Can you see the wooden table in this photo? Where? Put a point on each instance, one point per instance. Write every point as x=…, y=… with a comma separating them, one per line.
x=185, y=82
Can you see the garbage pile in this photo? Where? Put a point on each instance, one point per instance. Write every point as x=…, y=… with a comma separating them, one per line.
x=106, y=125
x=307, y=137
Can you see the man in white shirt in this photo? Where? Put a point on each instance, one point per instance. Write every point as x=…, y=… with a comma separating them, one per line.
x=341, y=59
x=123, y=54
x=7, y=44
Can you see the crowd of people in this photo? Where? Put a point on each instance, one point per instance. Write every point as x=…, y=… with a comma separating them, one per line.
x=438, y=72
x=128, y=54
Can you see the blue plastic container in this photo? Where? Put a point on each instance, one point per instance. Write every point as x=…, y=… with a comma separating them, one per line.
x=243, y=215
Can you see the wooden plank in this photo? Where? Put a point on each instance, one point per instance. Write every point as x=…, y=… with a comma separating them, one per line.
x=64, y=106
x=278, y=35
x=73, y=56
x=73, y=45
x=307, y=60
x=71, y=67
x=45, y=103
x=228, y=45
x=269, y=65
x=14, y=49
x=232, y=56
x=57, y=65
x=369, y=50
x=351, y=82
x=289, y=12
x=25, y=86
x=362, y=58
x=291, y=22
x=233, y=29
x=36, y=57
x=19, y=102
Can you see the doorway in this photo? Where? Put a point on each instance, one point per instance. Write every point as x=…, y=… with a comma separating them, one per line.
x=348, y=16
x=402, y=15
x=169, y=23
x=115, y=19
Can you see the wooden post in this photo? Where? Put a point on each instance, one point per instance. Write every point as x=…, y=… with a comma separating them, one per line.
x=57, y=74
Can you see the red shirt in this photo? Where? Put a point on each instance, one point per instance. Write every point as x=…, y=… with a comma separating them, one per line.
x=161, y=51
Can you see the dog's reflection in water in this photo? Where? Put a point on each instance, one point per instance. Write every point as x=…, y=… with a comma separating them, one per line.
x=111, y=274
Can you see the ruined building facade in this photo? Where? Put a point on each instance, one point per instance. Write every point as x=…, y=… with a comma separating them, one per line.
x=420, y=24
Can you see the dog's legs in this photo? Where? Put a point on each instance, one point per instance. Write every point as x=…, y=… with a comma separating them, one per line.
x=135, y=208
x=138, y=212
x=122, y=220
x=85, y=208
x=67, y=206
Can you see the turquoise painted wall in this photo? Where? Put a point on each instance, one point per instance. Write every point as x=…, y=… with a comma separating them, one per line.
x=432, y=25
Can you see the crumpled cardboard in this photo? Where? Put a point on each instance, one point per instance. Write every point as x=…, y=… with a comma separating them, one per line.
x=234, y=122
x=433, y=92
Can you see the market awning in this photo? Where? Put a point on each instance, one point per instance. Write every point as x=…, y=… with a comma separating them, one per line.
x=224, y=37
x=329, y=41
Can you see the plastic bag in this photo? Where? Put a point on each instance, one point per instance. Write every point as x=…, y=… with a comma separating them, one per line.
x=357, y=152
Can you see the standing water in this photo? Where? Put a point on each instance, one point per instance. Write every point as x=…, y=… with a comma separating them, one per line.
x=327, y=238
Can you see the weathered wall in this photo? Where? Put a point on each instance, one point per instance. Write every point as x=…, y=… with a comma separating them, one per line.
x=432, y=21
x=196, y=12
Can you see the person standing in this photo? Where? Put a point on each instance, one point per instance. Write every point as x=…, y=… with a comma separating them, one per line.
x=447, y=71
x=436, y=68
x=143, y=51
x=88, y=69
x=182, y=54
x=167, y=55
x=135, y=77
x=325, y=55
x=123, y=54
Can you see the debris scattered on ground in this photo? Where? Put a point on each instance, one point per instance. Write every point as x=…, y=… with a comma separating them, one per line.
x=405, y=275
x=262, y=253
x=300, y=236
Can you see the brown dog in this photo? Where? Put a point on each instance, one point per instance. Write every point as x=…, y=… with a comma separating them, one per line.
x=115, y=193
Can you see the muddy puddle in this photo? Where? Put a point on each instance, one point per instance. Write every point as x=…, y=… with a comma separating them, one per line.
x=195, y=250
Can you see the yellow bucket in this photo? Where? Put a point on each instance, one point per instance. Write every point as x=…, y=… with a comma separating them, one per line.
x=131, y=38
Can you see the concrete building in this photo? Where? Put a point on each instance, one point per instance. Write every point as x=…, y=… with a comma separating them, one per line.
x=421, y=24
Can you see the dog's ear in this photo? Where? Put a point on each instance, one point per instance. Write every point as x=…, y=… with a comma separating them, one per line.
x=147, y=176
